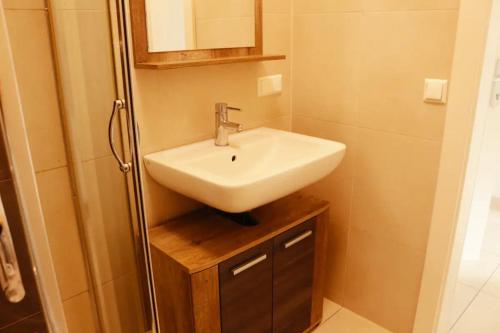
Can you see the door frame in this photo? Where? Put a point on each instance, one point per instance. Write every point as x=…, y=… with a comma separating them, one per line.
x=26, y=185
x=470, y=90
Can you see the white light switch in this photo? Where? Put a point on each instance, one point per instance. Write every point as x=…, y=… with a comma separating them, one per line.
x=436, y=91
x=270, y=85
x=497, y=70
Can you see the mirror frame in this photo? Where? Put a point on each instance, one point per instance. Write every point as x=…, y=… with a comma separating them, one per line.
x=176, y=59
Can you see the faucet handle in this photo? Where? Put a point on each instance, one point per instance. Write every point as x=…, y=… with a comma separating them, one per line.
x=223, y=107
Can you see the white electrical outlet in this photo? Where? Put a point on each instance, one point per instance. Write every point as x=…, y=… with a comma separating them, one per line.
x=270, y=85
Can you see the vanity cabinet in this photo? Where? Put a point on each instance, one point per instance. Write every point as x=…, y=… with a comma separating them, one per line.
x=246, y=291
x=212, y=275
x=293, y=278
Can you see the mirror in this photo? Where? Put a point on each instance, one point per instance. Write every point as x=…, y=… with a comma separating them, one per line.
x=181, y=25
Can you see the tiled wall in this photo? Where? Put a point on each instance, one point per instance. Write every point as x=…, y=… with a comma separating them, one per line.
x=29, y=33
x=176, y=107
x=220, y=23
x=358, y=77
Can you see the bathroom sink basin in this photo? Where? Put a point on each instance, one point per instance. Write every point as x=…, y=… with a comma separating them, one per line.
x=258, y=166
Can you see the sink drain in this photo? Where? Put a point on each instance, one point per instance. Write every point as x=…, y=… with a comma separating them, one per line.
x=233, y=158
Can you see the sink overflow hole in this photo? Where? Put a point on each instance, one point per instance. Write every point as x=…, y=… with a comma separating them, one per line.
x=233, y=158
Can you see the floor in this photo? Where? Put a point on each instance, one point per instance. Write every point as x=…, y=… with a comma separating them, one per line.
x=340, y=320
x=476, y=306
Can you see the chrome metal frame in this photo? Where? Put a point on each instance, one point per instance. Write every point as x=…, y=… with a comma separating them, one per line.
x=134, y=144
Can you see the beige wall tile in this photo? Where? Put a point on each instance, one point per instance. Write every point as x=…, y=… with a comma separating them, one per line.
x=385, y=5
x=81, y=4
x=30, y=41
x=383, y=280
x=329, y=89
x=224, y=32
x=337, y=189
x=395, y=181
x=88, y=77
x=122, y=305
x=395, y=64
x=277, y=36
x=24, y=4
x=277, y=6
x=177, y=107
x=78, y=312
x=163, y=204
x=60, y=218
x=223, y=8
x=106, y=214
x=283, y=123
x=326, y=6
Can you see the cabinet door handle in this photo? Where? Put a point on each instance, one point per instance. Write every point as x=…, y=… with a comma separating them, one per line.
x=298, y=239
x=243, y=267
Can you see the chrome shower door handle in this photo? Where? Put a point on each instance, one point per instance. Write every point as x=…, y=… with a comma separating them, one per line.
x=10, y=275
x=118, y=105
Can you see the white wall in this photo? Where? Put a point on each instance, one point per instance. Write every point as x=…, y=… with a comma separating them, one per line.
x=488, y=178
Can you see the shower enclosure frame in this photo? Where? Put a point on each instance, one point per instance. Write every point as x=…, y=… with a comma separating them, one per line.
x=129, y=164
x=23, y=174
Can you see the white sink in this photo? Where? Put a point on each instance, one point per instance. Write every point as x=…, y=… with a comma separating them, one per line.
x=259, y=166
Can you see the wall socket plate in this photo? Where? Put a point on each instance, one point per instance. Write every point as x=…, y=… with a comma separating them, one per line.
x=436, y=91
x=270, y=85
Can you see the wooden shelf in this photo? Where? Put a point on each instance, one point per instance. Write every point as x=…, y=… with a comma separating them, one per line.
x=207, y=62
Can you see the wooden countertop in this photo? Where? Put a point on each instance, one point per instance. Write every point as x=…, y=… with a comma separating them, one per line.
x=203, y=239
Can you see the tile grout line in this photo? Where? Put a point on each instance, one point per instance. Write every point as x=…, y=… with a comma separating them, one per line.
x=475, y=297
x=330, y=317
x=373, y=129
x=464, y=311
x=488, y=280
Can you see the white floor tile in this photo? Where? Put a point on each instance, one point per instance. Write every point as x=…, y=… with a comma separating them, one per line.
x=494, y=216
x=491, y=241
x=492, y=287
x=346, y=321
x=329, y=309
x=475, y=273
x=483, y=316
x=463, y=297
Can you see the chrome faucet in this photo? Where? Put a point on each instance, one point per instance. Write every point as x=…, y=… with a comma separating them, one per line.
x=222, y=124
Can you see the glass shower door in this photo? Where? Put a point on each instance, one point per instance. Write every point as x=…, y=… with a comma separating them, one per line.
x=93, y=77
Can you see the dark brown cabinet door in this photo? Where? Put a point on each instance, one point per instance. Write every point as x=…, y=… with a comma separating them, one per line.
x=293, y=279
x=246, y=291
